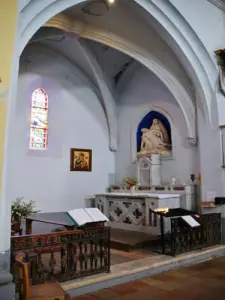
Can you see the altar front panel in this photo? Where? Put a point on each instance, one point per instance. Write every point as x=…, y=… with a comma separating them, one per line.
x=134, y=212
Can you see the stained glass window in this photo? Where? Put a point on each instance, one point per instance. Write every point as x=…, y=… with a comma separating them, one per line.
x=39, y=120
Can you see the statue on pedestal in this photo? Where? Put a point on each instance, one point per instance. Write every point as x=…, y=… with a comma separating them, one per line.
x=154, y=140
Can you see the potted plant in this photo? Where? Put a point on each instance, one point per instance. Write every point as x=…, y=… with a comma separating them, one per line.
x=21, y=209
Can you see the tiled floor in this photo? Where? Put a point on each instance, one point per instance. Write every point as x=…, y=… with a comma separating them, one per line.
x=204, y=281
x=118, y=257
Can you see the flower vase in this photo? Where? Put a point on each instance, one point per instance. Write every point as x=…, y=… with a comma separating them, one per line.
x=132, y=189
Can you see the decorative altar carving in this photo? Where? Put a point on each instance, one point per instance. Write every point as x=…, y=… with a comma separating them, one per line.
x=155, y=140
x=134, y=211
x=130, y=212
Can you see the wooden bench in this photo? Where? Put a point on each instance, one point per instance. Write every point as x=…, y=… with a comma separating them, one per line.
x=26, y=291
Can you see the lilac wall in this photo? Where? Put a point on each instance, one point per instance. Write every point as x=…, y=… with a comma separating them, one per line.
x=144, y=93
x=76, y=120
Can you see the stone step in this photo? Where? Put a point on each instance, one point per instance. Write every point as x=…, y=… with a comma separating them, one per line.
x=138, y=269
x=126, y=240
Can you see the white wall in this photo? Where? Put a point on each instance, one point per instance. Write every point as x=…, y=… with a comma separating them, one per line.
x=146, y=92
x=76, y=120
x=211, y=33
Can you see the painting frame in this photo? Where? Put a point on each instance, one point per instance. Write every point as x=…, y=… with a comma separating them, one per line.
x=82, y=154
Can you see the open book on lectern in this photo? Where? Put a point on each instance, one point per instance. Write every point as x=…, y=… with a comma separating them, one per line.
x=82, y=216
x=190, y=221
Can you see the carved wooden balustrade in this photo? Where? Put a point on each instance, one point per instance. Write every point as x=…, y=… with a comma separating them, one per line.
x=64, y=256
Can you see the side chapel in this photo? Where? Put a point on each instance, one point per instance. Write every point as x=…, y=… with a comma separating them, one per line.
x=132, y=90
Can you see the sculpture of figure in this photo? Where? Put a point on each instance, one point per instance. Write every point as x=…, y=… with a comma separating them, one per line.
x=155, y=139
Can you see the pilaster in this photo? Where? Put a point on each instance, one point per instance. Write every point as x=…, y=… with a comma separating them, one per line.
x=210, y=154
x=156, y=169
x=8, y=23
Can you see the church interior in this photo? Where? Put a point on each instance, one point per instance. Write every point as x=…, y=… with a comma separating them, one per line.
x=100, y=95
x=113, y=111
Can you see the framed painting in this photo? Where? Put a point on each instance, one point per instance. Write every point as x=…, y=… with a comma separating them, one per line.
x=80, y=160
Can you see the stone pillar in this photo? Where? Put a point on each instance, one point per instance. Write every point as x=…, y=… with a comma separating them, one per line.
x=156, y=169
x=210, y=151
x=8, y=24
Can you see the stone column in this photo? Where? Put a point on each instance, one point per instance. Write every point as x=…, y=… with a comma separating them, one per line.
x=210, y=154
x=8, y=23
x=156, y=169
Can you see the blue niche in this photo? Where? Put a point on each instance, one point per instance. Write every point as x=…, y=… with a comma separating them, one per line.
x=146, y=122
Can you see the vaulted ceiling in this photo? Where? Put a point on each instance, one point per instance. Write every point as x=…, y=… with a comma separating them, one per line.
x=117, y=37
x=113, y=62
x=98, y=14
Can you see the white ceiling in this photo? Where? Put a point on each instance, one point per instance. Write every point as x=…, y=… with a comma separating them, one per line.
x=112, y=62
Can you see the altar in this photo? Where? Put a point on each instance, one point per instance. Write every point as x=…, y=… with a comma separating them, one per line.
x=134, y=211
x=131, y=204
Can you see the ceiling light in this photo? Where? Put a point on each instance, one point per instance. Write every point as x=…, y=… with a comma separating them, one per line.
x=111, y=1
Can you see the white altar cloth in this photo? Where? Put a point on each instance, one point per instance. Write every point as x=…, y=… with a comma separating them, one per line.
x=141, y=195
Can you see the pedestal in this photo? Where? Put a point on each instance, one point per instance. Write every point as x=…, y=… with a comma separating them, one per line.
x=156, y=169
x=190, y=197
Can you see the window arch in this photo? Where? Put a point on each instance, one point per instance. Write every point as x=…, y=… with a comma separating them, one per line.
x=39, y=120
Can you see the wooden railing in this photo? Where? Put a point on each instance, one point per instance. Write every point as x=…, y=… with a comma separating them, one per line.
x=63, y=256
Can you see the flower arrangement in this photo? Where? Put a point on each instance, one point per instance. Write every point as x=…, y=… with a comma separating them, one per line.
x=130, y=181
x=21, y=209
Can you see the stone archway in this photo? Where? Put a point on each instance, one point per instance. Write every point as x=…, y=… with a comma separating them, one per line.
x=148, y=60
x=174, y=28
x=164, y=13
